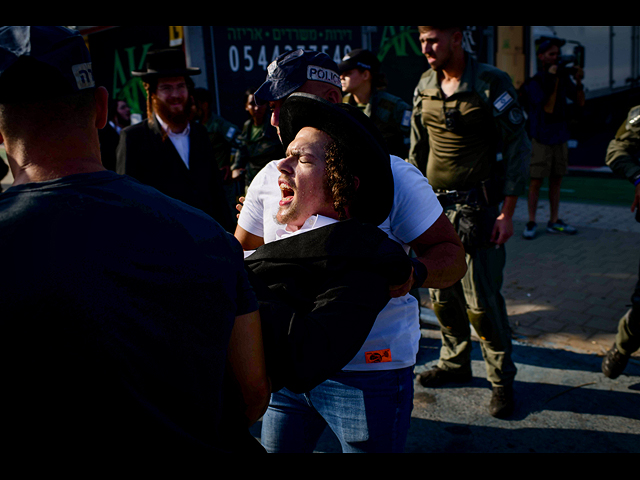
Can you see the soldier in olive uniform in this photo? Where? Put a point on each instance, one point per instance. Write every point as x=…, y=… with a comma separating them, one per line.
x=362, y=84
x=223, y=137
x=623, y=156
x=464, y=113
x=259, y=142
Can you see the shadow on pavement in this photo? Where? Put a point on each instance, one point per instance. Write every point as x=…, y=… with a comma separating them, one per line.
x=564, y=405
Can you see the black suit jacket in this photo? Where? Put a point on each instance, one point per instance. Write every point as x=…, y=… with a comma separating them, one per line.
x=145, y=155
x=320, y=293
x=109, y=139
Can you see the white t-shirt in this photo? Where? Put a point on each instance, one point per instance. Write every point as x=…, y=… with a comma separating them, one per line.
x=394, y=340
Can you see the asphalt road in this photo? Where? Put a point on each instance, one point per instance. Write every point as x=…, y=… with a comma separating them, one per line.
x=564, y=405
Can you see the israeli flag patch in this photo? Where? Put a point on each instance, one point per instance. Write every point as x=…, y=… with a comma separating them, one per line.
x=406, y=118
x=503, y=101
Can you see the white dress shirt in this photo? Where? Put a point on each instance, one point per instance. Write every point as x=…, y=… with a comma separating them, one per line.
x=179, y=140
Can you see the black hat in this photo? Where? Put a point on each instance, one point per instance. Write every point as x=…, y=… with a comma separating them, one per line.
x=345, y=123
x=359, y=58
x=170, y=62
x=291, y=70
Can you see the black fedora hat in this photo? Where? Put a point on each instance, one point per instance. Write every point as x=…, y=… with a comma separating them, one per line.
x=170, y=62
x=369, y=157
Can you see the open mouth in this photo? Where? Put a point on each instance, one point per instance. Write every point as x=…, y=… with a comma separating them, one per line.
x=287, y=192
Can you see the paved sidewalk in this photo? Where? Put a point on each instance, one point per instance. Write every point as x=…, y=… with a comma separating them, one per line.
x=570, y=291
x=565, y=296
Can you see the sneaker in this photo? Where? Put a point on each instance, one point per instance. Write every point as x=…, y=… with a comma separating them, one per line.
x=501, y=404
x=437, y=377
x=530, y=231
x=560, y=227
x=614, y=363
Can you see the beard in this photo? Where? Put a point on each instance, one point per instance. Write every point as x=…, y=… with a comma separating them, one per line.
x=176, y=119
x=123, y=122
x=443, y=59
x=295, y=212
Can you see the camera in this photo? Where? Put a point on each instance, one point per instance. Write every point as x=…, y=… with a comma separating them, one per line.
x=572, y=62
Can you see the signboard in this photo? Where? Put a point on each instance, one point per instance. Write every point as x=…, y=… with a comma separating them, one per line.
x=241, y=55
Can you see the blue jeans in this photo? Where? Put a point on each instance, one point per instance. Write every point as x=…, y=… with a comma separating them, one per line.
x=369, y=412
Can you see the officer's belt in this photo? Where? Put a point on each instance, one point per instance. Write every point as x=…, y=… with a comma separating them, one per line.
x=473, y=197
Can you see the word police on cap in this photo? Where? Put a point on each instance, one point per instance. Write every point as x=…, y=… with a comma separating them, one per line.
x=323, y=75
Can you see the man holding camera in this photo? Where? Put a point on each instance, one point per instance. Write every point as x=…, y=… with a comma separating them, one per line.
x=546, y=98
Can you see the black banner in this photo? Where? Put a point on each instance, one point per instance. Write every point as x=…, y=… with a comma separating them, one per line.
x=241, y=55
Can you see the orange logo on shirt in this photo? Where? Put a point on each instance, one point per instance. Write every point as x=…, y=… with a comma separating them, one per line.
x=379, y=356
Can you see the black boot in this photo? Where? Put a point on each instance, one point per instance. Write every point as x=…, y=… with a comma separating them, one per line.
x=501, y=404
x=437, y=377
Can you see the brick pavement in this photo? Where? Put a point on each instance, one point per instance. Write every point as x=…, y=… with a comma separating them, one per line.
x=570, y=291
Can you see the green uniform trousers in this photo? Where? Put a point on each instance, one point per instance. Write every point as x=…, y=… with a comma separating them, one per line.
x=476, y=300
x=628, y=337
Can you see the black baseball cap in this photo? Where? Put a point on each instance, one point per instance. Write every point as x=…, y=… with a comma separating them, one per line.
x=545, y=43
x=292, y=69
x=56, y=58
x=359, y=58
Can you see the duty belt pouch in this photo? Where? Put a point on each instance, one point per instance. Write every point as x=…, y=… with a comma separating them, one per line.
x=475, y=226
x=493, y=191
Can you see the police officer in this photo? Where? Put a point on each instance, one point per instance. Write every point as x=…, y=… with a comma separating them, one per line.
x=623, y=156
x=363, y=86
x=462, y=111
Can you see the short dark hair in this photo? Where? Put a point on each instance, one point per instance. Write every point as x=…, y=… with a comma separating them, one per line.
x=422, y=29
x=72, y=109
x=202, y=95
x=29, y=102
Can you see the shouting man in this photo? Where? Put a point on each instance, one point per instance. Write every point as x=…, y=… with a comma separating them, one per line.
x=416, y=221
x=329, y=271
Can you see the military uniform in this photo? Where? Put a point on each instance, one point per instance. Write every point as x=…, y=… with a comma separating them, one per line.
x=222, y=135
x=623, y=156
x=392, y=116
x=257, y=146
x=455, y=141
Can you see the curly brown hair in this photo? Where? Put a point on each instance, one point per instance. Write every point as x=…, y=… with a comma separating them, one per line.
x=340, y=180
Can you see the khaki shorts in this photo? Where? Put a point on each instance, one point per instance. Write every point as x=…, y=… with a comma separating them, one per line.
x=548, y=160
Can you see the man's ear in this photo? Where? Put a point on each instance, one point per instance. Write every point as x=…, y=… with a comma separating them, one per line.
x=102, y=107
x=334, y=95
x=457, y=37
x=356, y=181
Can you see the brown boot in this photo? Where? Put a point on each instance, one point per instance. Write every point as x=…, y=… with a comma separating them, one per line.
x=614, y=363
